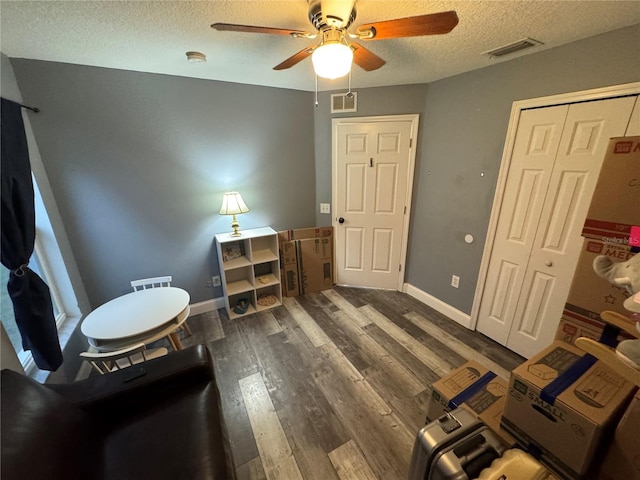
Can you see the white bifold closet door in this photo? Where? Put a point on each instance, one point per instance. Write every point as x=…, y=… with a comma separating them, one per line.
x=556, y=159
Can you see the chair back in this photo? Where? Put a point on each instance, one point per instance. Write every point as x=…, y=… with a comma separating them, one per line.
x=154, y=282
x=105, y=362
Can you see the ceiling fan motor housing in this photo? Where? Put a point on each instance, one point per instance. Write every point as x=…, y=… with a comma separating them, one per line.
x=332, y=17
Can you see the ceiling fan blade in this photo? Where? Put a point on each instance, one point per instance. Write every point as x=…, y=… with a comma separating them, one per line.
x=430, y=24
x=232, y=27
x=295, y=59
x=365, y=58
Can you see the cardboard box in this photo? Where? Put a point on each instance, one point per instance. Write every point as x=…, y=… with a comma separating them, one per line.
x=623, y=457
x=306, y=259
x=591, y=294
x=478, y=389
x=290, y=281
x=315, y=264
x=304, y=233
x=615, y=205
x=569, y=329
x=563, y=406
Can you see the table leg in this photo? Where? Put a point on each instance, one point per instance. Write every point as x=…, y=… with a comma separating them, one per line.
x=174, y=339
x=187, y=328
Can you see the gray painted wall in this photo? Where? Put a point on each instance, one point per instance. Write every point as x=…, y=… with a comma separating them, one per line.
x=463, y=125
x=138, y=164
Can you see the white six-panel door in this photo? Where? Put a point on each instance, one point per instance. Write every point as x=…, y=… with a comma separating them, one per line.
x=555, y=163
x=373, y=163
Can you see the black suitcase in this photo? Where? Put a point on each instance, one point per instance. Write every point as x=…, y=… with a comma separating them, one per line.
x=456, y=446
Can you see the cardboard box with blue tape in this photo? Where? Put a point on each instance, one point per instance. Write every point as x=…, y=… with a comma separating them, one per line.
x=562, y=405
x=478, y=389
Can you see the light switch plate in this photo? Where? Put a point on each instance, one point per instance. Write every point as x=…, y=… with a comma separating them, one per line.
x=325, y=208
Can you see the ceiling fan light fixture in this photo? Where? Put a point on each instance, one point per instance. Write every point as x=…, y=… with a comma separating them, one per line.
x=332, y=60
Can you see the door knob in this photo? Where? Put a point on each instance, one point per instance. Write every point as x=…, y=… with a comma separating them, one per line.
x=341, y=220
x=548, y=263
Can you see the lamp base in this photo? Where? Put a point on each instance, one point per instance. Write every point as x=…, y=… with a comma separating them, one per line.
x=236, y=227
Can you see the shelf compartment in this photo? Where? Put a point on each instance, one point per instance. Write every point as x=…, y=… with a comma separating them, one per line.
x=263, y=256
x=235, y=254
x=239, y=280
x=264, y=249
x=240, y=286
x=233, y=299
x=266, y=280
x=266, y=274
x=268, y=290
x=236, y=263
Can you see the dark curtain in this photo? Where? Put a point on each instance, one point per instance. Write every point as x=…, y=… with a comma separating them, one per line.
x=30, y=295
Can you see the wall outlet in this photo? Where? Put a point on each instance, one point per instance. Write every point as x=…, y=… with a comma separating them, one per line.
x=455, y=281
x=325, y=208
x=215, y=281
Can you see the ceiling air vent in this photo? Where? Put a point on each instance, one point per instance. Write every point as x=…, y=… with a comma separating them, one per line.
x=341, y=102
x=513, y=47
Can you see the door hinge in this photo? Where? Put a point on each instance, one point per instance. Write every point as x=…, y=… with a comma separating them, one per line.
x=410, y=142
x=371, y=162
x=400, y=267
x=405, y=210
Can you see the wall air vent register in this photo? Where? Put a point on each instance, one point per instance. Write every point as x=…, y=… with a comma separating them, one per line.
x=343, y=102
x=513, y=47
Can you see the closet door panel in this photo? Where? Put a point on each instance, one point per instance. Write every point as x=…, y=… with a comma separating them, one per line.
x=535, y=149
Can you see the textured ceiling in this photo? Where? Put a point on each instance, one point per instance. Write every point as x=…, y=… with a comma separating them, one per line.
x=154, y=36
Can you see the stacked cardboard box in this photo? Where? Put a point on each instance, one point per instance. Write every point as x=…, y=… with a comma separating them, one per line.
x=478, y=389
x=614, y=220
x=615, y=205
x=306, y=260
x=591, y=294
x=563, y=405
x=610, y=229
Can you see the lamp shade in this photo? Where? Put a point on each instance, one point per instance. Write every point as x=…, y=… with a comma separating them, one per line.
x=232, y=204
x=332, y=60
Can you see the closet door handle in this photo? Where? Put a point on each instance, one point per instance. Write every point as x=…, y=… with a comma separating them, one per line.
x=341, y=220
x=548, y=263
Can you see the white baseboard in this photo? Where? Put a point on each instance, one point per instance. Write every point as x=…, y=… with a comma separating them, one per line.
x=206, y=306
x=453, y=313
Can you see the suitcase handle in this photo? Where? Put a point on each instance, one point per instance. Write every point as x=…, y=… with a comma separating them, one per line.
x=475, y=455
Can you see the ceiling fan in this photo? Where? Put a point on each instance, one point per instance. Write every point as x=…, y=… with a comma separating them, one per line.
x=333, y=56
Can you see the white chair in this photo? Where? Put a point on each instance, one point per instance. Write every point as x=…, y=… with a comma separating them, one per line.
x=157, y=282
x=105, y=362
x=154, y=282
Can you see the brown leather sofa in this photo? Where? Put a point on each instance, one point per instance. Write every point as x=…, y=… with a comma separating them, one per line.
x=161, y=420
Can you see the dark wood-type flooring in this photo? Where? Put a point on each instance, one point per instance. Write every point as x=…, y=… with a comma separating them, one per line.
x=334, y=385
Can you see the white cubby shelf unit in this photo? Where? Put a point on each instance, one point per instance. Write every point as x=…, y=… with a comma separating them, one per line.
x=249, y=269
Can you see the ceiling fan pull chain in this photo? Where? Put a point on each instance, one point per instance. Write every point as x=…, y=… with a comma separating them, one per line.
x=316, y=91
x=349, y=94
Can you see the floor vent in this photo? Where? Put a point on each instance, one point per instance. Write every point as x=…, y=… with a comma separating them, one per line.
x=341, y=102
x=513, y=47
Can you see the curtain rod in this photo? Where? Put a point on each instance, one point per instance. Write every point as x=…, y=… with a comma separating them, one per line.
x=33, y=109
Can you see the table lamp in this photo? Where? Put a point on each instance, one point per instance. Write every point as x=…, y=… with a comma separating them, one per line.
x=232, y=204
